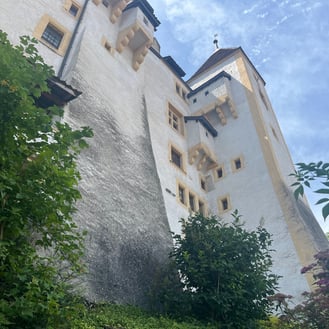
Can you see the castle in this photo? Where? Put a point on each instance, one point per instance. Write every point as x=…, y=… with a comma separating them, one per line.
x=163, y=147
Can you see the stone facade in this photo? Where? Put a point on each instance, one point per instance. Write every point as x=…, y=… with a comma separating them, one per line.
x=163, y=147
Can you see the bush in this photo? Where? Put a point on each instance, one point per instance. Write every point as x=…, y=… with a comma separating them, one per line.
x=224, y=273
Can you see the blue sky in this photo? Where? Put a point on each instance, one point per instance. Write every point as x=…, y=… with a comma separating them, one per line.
x=287, y=41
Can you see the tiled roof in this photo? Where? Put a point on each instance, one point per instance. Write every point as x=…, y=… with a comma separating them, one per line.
x=217, y=56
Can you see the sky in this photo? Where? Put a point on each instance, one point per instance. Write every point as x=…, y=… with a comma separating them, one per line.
x=287, y=41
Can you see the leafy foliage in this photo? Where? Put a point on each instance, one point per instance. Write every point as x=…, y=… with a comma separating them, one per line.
x=305, y=174
x=224, y=273
x=314, y=311
x=40, y=246
x=110, y=316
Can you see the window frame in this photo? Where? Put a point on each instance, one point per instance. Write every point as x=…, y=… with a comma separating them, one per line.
x=178, y=152
x=42, y=25
x=234, y=166
x=215, y=172
x=171, y=113
x=221, y=204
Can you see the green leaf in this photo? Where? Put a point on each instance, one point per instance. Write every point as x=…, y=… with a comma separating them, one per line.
x=325, y=211
x=322, y=190
x=299, y=191
x=322, y=200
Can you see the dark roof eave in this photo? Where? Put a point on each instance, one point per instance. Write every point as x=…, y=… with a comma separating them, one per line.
x=204, y=122
x=146, y=8
x=218, y=76
x=60, y=93
x=172, y=63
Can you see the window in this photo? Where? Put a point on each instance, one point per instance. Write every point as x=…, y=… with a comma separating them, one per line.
x=72, y=7
x=203, y=184
x=224, y=204
x=181, y=194
x=176, y=158
x=53, y=36
x=183, y=94
x=274, y=134
x=206, y=93
x=177, y=89
x=202, y=209
x=191, y=199
x=175, y=119
x=106, y=3
x=74, y=10
x=218, y=172
x=237, y=164
x=194, y=100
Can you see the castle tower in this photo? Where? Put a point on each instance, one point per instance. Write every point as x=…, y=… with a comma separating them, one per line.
x=163, y=147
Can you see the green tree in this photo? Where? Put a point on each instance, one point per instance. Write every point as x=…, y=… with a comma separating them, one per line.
x=224, y=272
x=40, y=246
x=305, y=174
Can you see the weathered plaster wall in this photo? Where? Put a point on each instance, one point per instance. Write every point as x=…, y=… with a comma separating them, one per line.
x=122, y=206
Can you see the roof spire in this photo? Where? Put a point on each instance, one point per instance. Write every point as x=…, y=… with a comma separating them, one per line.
x=216, y=41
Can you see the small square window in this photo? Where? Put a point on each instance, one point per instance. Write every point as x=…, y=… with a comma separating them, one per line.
x=53, y=36
x=237, y=164
x=206, y=93
x=219, y=172
x=224, y=204
x=194, y=100
x=74, y=10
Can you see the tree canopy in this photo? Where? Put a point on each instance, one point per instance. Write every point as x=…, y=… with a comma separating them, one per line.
x=40, y=246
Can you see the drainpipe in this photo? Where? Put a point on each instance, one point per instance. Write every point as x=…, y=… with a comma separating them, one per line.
x=70, y=46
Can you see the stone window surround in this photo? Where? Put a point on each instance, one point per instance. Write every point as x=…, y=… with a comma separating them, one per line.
x=215, y=172
x=171, y=112
x=174, y=148
x=224, y=204
x=69, y=3
x=234, y=163
x=41, y=27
